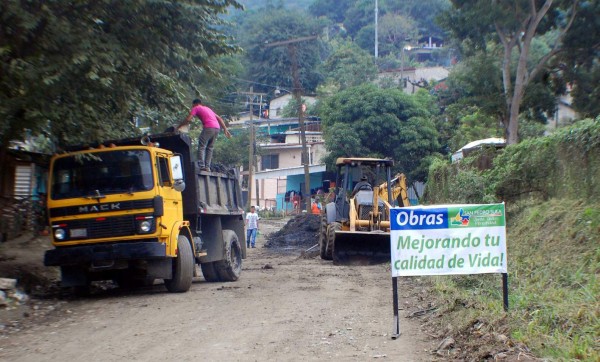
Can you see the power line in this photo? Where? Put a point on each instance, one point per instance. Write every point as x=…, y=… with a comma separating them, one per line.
x=262, y=84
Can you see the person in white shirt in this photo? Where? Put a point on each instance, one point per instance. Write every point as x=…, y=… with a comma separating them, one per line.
x=251, y=227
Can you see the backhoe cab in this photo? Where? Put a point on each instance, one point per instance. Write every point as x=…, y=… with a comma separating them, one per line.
x=355, y=227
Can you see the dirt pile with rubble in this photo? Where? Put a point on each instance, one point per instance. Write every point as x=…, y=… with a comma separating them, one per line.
x=301, y=232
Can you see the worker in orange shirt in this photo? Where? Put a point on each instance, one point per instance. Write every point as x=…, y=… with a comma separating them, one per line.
x=315, y=207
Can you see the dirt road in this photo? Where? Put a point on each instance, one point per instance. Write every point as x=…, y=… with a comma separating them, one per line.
x=284, y=308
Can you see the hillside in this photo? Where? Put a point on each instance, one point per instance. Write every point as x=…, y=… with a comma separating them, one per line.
x=550, y=186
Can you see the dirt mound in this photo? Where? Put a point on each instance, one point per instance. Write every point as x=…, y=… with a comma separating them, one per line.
x=302, y=232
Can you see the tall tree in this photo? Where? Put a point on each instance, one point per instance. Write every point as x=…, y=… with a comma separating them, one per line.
x=272, y=66
x=581, y=59
x=83, y=70
x=424, y=12
x=514, y=25
x=367, y=121
x=333, y=10
x=395, y=33
x=348, y=66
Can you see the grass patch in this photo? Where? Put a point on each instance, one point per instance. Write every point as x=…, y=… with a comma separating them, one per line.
x=554, y=286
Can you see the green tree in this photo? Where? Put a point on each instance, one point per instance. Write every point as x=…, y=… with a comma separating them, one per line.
x=580, y=60
x=474, y=94
x=233, y=151
x=367, y=121
x=424, y=12
x=349, y=66
x=333, y=10
x=82, y=71
x=514, y=25
x=396, y=32
x=270, y=66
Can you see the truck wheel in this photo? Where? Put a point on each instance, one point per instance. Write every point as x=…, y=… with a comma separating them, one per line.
x=323, y=238
x=209, y=272
x=331, y=238
x=183, y=267
x=230, y=268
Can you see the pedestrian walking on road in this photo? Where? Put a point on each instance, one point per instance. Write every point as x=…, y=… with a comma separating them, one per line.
x=211, y=125
x=251, y=227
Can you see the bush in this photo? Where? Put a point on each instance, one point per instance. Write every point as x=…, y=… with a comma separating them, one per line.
x=565, y=164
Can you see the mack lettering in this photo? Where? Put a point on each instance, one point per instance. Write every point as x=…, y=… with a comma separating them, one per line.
x=101, y=207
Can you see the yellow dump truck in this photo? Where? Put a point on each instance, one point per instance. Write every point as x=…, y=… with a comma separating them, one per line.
x=139, y=209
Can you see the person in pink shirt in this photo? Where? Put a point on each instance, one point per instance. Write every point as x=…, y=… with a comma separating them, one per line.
x=211, y=125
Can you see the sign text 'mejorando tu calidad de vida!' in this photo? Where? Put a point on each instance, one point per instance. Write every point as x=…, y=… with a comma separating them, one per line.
x=448, y=239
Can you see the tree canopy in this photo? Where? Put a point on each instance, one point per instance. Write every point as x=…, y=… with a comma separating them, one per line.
x=94, y=66
x=265, y=36
x=514, y=26
x=348, y=66
x=367, y=121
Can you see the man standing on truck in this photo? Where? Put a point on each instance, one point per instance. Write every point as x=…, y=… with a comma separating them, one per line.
x=211, y=125
x=251, y=227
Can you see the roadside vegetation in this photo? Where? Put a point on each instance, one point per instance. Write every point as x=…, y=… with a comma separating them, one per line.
x=551, y=186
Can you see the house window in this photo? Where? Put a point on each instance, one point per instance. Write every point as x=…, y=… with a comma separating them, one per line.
x=270, y=162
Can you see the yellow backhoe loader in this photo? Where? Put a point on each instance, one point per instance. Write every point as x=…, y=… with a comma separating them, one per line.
x=355, y=227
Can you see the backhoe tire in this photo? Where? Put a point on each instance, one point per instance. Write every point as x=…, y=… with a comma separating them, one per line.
x=331, y=229
x=323, y=238
x=183, y=267
x=209, y=272
x=230, y=268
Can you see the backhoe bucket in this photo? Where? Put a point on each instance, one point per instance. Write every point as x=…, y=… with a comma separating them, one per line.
x=361, y=247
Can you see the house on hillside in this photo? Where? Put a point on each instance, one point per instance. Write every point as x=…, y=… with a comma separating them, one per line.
x=414, y=78
x=277, y=105
x=564, y=112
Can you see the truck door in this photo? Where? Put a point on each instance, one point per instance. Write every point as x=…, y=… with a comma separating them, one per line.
x=173, y=207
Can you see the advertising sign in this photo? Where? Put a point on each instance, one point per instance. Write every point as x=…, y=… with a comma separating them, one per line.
x=449, y=239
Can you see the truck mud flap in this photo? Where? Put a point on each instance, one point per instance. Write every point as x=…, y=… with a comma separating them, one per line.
x=361, y=247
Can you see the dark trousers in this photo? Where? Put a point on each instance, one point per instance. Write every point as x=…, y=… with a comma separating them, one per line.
x=206, y=144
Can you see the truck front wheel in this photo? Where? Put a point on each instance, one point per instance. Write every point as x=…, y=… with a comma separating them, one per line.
x=183, y=267
x=230, y=268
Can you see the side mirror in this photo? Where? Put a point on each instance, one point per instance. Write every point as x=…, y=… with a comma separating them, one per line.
x=179, y=185
x=177, y=172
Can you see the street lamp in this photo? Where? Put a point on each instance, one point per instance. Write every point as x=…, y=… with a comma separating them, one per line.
x=407, y=48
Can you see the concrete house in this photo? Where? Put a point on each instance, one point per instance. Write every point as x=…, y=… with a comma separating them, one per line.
x=281, y=171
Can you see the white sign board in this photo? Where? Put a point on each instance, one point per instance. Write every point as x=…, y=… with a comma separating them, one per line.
x=448, y=239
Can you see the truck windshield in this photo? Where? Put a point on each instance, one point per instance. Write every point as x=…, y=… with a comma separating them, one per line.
x=101, y=173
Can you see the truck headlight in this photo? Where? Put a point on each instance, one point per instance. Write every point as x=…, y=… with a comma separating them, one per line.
x=145, y=226
x=60, y=234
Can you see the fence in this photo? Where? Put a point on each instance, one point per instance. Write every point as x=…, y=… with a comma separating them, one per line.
x=21, y=214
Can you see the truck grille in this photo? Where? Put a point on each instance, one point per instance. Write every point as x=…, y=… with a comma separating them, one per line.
x=103, y=227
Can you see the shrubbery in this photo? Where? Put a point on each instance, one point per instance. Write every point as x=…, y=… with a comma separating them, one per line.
x=564, y=164
x=551, y=186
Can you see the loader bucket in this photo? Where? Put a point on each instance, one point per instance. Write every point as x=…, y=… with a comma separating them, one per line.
x=361, y=247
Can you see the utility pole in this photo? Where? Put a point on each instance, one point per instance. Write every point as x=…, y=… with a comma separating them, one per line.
x=376, y=30
x=251, y=97
x=291, y=43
